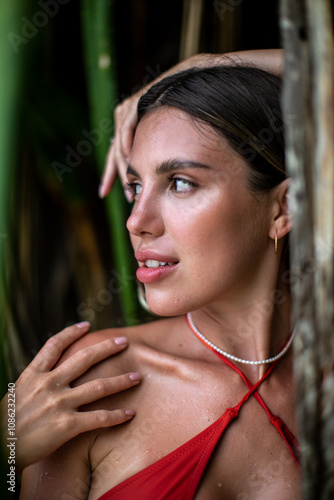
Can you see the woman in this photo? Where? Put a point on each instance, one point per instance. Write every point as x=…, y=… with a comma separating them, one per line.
x=209, y=228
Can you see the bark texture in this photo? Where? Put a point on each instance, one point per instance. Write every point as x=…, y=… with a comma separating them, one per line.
x=308, y=103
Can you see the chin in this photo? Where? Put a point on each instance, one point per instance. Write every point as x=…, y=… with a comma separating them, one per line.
x=167, y=306
x=161, y=310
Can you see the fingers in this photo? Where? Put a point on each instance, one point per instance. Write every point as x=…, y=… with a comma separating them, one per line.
x=128, y=127
x=84, y=359
x=119, y=158
x=109, y=174
x=127, y=141
x=116, y=163
x=54, y=347
x=122, y=166
x=90, y=420
x=101, y=388
x=120, y=150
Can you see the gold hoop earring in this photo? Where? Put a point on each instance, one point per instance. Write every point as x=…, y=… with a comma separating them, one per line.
x=276, y=241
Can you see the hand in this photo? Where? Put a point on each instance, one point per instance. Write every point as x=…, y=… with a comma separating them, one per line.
x=47, y=413
x=117, y=160
x=126, y=112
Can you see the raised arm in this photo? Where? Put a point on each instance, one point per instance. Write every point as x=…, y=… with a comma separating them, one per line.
x=270, y=60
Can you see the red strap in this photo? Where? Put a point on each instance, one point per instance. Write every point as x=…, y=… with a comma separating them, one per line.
x=277, y=422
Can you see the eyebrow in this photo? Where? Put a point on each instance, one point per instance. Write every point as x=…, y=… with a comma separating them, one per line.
x=168, y=166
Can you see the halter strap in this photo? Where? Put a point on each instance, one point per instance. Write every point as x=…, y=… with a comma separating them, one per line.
x=277, y=422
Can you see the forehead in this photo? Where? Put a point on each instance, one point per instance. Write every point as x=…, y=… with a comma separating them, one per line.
x=170, y=132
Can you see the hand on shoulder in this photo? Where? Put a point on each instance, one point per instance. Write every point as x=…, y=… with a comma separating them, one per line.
x=47, y=404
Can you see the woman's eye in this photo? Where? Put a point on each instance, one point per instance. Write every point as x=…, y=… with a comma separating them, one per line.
x=181, y=185
x=134, y=188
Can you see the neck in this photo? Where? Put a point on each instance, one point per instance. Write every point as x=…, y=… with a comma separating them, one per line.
x=255, y=331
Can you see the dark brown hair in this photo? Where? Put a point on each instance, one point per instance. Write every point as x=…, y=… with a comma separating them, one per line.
x=240, y=102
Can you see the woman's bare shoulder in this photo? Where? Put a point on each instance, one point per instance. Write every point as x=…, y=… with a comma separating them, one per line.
x=149, y=334
x=145, y=342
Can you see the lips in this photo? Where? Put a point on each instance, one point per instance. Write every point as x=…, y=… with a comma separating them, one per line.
x=146, y=255
x=154, y=266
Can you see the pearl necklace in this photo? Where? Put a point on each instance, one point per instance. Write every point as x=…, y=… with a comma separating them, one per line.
x=234, y=358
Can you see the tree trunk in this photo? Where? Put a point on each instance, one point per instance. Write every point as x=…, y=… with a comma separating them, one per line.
x=308, y=104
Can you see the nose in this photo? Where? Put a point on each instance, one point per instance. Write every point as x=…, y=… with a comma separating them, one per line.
x=146, y=217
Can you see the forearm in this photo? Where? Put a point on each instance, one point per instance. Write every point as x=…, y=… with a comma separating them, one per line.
x=270, y=60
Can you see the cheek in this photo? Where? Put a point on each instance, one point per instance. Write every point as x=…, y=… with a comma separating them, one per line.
x=216, y=236
x=203, y=224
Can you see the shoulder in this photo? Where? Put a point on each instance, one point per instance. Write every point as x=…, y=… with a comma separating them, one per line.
x=151, y=334
x=147, y=341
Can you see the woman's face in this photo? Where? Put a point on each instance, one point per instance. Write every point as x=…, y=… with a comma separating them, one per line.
x=199, y=234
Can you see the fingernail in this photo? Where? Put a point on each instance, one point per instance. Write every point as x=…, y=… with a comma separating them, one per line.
x=134, y=377
x=83, y=324
x=101, y=191
x=127, y=195
x=130, y=413
x=121, y=340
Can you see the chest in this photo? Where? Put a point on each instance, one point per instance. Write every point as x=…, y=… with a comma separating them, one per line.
x=250, y=457
x=251, y=461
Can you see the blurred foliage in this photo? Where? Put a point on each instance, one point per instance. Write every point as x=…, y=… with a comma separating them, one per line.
x=11, y=71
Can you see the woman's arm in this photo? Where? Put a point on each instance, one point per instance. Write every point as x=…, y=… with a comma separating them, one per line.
x=47, y=405
x=125, y=115
x=64, y=475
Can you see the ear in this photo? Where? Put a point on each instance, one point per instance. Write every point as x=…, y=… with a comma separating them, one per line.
x=281, y=220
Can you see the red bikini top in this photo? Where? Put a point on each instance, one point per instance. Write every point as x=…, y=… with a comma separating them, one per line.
x=177, y=475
